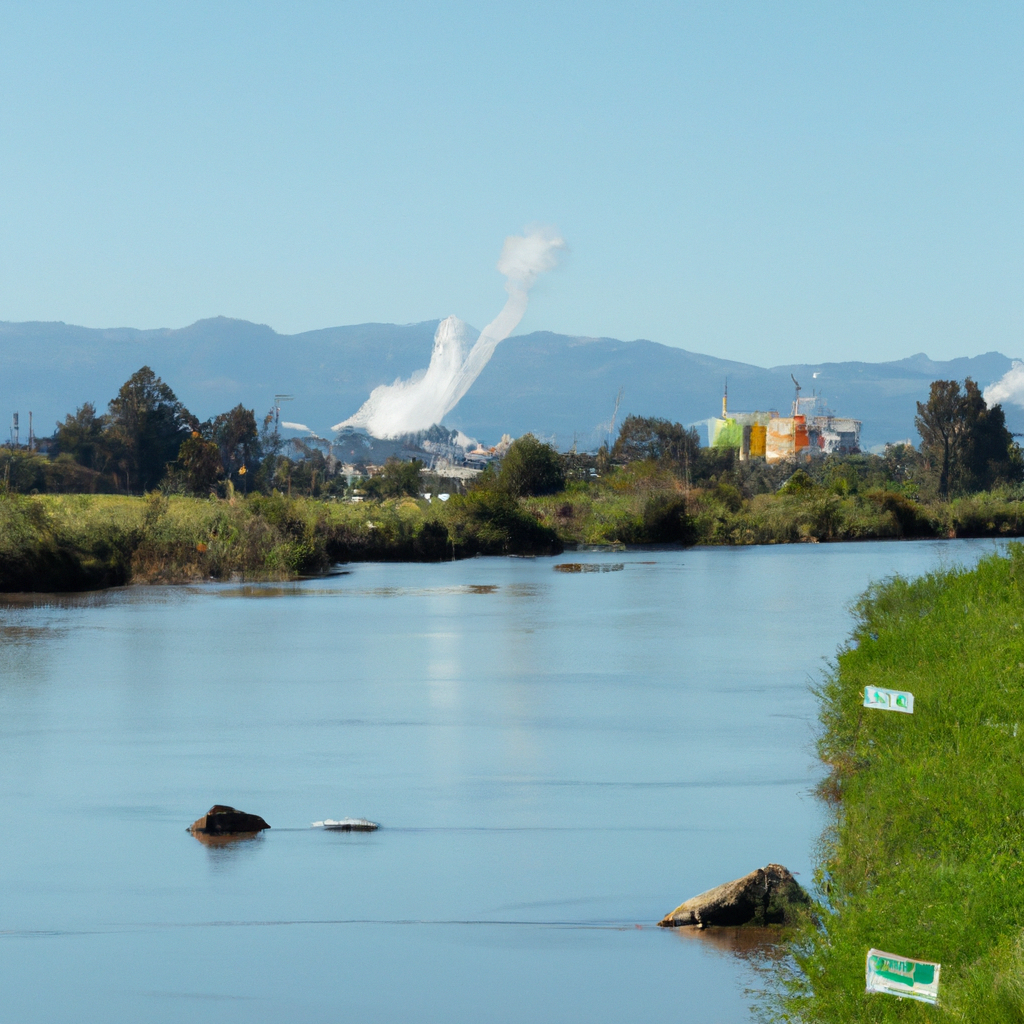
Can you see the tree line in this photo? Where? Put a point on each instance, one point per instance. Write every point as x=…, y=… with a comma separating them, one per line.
x=148, y=439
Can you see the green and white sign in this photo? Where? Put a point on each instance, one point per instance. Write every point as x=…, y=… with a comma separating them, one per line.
x=888, y=700
x=903, y=977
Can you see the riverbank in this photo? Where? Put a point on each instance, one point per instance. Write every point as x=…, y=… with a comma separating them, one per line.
x=84, y=542
x=925, y=854
x=632, y=509
x=56, y=542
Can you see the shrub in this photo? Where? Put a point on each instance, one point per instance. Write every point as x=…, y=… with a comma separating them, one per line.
x=530, y=467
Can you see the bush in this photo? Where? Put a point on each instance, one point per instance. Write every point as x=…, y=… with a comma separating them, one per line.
x=530, y=467
x=492, y=523
x=908, y=516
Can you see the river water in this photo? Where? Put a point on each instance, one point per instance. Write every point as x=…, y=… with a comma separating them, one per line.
x=557, y=759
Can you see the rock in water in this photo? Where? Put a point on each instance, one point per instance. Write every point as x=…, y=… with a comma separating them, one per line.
x=346, y=825
x=221, y=820
x=769, y=895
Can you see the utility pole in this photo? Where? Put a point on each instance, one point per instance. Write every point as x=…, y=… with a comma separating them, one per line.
x=14, y=430
x=278, y=399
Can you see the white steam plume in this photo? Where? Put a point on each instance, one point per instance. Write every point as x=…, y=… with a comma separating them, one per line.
x=423, y=400
x=1009, y=387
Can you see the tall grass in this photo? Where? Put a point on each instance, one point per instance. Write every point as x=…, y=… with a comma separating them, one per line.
x=77, y=542
x=925, y=854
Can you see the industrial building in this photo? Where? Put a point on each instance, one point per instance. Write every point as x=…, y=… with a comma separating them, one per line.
x=811, y=430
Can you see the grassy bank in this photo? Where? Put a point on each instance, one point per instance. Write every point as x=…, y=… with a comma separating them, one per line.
x=925, y=857
x=79, y=542
x=644, y=505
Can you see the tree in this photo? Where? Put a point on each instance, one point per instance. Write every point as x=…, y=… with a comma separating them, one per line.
x=147, y=427
x=645, y=437
x=82, y=437
x=530, y=467
x=939, y=421
x=201, y=461
x=235, y=434
x=395, y=480
x=965, y=442
x=988, y=448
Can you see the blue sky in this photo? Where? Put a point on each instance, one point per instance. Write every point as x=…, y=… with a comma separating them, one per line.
x=769, y=182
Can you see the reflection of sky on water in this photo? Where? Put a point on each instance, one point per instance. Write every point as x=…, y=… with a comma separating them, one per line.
x=555, y=758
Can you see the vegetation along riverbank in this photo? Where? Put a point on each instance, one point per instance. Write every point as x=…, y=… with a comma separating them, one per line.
x=924, y=857
x=145, y=492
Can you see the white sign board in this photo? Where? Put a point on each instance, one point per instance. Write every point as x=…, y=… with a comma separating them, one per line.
x=888, y=700
x=903, y=977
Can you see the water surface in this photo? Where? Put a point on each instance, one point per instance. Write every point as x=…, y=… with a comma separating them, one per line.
x=557, y=758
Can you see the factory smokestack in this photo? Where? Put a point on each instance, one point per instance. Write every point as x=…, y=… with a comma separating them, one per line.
x=458, y=358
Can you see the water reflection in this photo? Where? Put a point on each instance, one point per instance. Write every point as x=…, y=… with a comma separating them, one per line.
x=747, y=942
x=226, y=839
x=298, y=590
x=592, y=566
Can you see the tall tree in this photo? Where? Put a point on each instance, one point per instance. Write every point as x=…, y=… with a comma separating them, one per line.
x=147, y=427
x=965, y=442
x=235, y=434
x=939, y=421
x=989, y=449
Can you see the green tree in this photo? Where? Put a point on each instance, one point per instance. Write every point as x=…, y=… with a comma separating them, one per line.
x=646, y=437
x=899, y=462
x=82, y=436
x=939, y=421
x=395, y=480
x=201, y=462
x=530, y=467
x=147, y=427
x=988, y=448
x=965, y=443
x=235, y=434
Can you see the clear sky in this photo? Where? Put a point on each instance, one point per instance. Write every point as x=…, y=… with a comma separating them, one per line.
x=769, y=182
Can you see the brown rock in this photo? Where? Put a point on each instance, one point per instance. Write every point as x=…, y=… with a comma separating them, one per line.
x=769, y=895
x=221, y=820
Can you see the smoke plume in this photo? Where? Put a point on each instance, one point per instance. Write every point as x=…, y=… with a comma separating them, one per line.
x=1009, y=387
x=458, y=357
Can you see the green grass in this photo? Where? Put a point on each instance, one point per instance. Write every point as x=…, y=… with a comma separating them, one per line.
x=80, y=542
x=925, y=854
x=623, y=508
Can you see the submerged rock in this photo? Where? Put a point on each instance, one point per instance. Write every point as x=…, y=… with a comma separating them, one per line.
x=347, y=825
x=221, y=820
x=769, y=895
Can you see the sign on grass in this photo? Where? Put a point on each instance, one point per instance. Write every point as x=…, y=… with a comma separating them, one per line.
x=888, y=700
x=901, y=976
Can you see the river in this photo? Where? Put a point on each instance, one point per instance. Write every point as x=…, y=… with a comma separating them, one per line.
x=556, y=759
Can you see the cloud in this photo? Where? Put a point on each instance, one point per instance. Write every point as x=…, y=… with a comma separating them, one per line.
x=1009, y=387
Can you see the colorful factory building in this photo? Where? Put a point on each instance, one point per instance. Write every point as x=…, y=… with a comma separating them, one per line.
x=809, y=432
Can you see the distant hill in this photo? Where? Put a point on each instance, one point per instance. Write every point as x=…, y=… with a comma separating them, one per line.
x=555, y=385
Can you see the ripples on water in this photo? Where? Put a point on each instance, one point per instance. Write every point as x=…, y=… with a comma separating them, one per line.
x=558, y=753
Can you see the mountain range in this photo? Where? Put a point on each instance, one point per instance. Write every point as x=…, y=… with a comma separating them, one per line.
x=559, y=387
